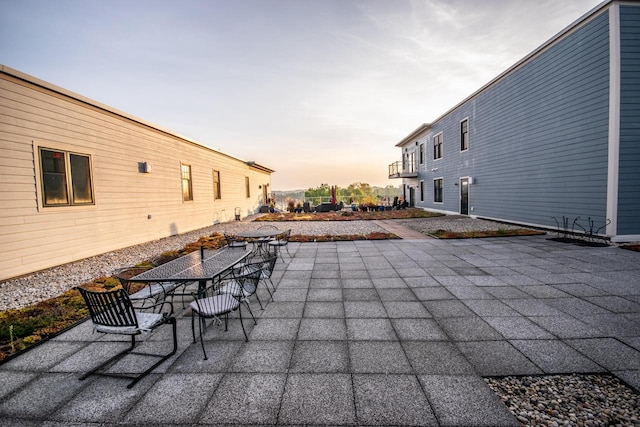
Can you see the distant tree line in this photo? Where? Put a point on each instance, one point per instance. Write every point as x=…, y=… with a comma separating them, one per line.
x=356, y=193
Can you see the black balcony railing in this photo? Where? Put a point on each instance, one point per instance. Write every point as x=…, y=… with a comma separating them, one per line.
x=400, y=169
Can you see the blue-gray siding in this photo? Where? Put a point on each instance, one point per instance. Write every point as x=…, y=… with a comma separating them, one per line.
x=538, y=137
x=629, y=172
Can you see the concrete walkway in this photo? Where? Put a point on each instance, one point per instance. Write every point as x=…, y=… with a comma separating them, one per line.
x=401, y=231
x=362, y=333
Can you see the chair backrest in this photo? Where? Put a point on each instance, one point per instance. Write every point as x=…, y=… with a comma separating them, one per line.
x=248, y=279
x=124, y=276
x=270, y=263
x=233, y=241
x=267, y=227
x=110, y=308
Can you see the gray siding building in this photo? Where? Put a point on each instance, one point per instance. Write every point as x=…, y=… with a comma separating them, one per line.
x=556, y=135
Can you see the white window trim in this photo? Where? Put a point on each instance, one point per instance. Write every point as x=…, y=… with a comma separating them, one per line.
x=468, y=178
x=36, y=146
x=468, y=134
x=190, y=183
x=434, y=192
x=442, y=145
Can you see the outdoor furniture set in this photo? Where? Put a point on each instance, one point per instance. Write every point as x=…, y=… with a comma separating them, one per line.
x=219, y=282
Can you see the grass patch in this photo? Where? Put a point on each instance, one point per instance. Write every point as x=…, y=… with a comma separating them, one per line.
x=346, y=215
x=501, y=232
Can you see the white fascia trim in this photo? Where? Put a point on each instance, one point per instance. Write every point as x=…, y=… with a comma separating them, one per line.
x=614, y=119
x=626, y=238
x=442, y=211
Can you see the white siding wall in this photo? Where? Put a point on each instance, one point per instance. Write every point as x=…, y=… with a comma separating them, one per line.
x=33, y=237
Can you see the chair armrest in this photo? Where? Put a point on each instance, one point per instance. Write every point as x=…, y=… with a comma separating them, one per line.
x=161, y=305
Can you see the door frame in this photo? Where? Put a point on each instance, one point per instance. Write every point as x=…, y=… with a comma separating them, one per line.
x=467, y=179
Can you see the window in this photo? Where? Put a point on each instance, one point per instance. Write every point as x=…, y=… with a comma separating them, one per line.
x=437, y=190
x=422, y=191
x=66, y=178
x=217, y=193
x=421, y=154
x=246, y=185
x=437, y=146
x=464, y=135
x=187, y=188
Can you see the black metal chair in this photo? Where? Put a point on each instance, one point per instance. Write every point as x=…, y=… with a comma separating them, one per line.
x=263, y=241
x=214, y=304
x=281, y=241
x=266, y=264
x=234, y=241
x=154, y=293
x=113, y=313
x=258, y=263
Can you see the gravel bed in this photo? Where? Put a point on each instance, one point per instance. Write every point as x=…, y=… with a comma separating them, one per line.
x=30, y=289
x=576, y=400
x=458, y=224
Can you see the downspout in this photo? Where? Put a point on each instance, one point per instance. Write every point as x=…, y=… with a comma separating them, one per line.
x=614, y=119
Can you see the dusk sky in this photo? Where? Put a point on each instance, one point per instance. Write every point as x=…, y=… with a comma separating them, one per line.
x=319, y=90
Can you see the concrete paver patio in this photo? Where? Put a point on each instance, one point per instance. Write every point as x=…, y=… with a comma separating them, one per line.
x=362, y=333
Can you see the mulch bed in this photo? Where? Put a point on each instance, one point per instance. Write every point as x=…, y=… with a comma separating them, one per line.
x=348, y=215
x=445, y=234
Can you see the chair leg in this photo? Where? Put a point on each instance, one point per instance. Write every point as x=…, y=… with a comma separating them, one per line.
x=268, y=290
x=250, y=312
x=201, y=340
x=172, y=321
x=110, y=360
x=246, y=338
x=193, y=329
x=259, y=302
x=162, y=357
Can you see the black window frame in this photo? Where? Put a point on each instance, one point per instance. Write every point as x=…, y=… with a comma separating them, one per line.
x=217, y=186
x=188, y=180
x=438, y=190
x=464, y=134
x=75, y=183
x=437, y=146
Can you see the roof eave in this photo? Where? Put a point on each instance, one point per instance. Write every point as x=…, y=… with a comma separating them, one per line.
x=413, y=135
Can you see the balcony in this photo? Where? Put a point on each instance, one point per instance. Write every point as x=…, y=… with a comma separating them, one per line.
x=400, y=169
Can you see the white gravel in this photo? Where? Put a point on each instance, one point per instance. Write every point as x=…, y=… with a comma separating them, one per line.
x=574, y=400
x=456, y=224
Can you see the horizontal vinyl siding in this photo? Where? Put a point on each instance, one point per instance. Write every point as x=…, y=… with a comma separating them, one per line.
x=629, y=166
x=537, y=137
x=33, y=237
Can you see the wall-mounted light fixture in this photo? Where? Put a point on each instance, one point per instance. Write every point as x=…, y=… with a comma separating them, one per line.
x=144, y=167
x=260, y=186
x=434, y=169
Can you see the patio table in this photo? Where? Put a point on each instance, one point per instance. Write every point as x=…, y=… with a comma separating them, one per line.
x=199, y=266
x=260, y=236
